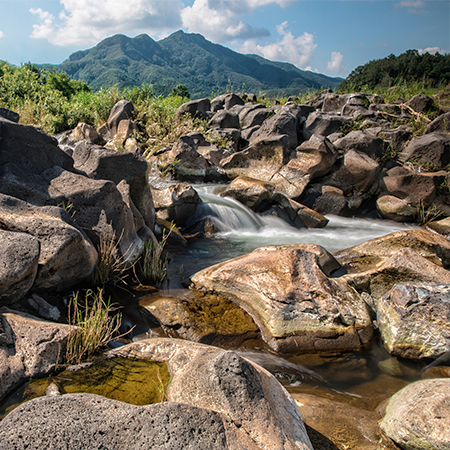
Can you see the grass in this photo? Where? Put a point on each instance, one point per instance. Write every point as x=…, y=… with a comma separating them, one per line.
x=427, y=214
x=96, y=325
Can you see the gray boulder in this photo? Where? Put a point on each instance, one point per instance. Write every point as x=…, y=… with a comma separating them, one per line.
x=66, y=255
x=9, y=115
x=226, y=101
x=361, y=141
x=19, y=265
x=420, y=103
x=413, y=320
x=252, y=115
x=441, y=124
x=224, y=119
x=418, y=416
x=25, y=354
x=431, y=151
x=195, y=108
x=122, y=110
x=322, y=123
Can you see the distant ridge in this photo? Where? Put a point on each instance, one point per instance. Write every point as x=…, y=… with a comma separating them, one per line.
x=204, y=67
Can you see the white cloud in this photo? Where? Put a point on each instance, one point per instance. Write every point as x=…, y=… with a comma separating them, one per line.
x=2, y=35
x=336, y=64
x=413, y=6
x=431, y=50
x=87, y=22
x=296, y=50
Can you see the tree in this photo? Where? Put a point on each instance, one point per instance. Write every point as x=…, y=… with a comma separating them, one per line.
x=181, y=90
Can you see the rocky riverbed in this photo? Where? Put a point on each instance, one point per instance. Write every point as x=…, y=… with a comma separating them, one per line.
x=59, y=200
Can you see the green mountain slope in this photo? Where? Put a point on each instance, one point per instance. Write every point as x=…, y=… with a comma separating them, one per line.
x=204, y=67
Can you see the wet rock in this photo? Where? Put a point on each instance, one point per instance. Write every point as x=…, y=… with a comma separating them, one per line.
x=23, y=354
x=325, y=199
x=394, y=208
x=66, y=255
x=414, y=320
x=363, y=142
x=176, y=203
x=431, y=151
x=208, y=319
x=244, y=393
x=287, y=291
x=418, y=416
x=19, y=265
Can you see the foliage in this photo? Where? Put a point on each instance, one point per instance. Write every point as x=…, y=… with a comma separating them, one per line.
x=95, y=325
x=181, y=91
x=431, y=71
x=153, y=264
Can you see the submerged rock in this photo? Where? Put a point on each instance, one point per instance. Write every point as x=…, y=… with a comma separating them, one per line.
x=418, y=416
x=288, y=292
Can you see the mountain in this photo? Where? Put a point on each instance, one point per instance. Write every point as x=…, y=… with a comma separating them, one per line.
x=204, y=67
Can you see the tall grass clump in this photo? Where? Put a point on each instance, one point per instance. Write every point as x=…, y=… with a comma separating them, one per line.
x=97, y=322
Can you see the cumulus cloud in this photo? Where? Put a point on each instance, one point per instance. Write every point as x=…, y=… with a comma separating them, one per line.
x=86, y=21
x=296, y=50
x=2, y=35
x=336, y=64
x=431, y=50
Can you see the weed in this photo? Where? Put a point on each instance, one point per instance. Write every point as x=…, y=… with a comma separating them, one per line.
x=153, y=264
x=427, y=214
x=217, y=140
x=110, y=267
x=95, y=325
x=354, y=125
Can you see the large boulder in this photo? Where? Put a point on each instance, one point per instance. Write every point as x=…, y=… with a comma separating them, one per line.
x=413, y=320
x=420, y=103
x=18, y=266
x=25, y=354
x=218, y=380
x=288, y=292
x=226, y=101
x=322, y=123
x=97, y=208
x=361, y=141
x=441, y=124
x=253, y=115
x=431, y=151
x=224, y=119
x=396, y=209
x=122, y=110
x=418, y=416
x=195, y=108
x=66, y=255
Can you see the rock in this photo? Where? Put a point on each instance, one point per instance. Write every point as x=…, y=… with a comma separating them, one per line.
x=431, y=151
x=415, y=188
x=261, y=160
x=87, y=421
x=418, y=416
x=334, y=103
x=253, y=115
x=100, y=163
x=18, y=267
x=224, y=119
x=228, y=140
x=25, y=354
x=208, y=319
x=287, y=291
x=420, y=103
x=225, y=101
x=363, y=142
x=441, y=227
x=413, y=319
x=283, y=123
x=83, y=131
x=323, y=123
x=441, y=124
x=98, y=209
x=243, y=392
x=396, y=209
x=9, y=115
x=356, y=174
x=43, y=309
x=176, y=203
x=126, y=129
x=434, y=248
x=66, y=256
x=195, y=108
x=30, y=149
x=122, y=110
x=325, y=199
x=396, y=137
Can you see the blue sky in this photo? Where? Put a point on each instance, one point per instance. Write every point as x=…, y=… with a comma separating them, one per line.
x=331, y=37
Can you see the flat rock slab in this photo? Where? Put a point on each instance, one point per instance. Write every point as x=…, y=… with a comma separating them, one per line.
x=414, y=319
x=290, y=297
x=418, y=416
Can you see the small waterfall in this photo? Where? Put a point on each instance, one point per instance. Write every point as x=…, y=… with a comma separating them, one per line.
x=228, y=214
